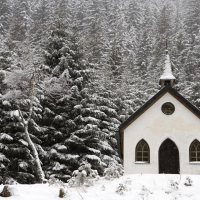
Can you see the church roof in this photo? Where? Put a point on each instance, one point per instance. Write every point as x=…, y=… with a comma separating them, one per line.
x=148, y=104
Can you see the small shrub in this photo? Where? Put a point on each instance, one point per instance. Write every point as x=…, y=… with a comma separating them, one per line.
x=188, y=181
x=113, y=171
x=55, y=182
x=103, y=188
x=121, y=188
x=145, y=192
x=10, y=181
x=84, y=176
x=173, y=184
x=128, y=181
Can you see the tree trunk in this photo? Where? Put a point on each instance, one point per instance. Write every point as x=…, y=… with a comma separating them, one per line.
x=39, y=170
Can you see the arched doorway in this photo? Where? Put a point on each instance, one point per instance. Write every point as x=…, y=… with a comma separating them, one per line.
x=169, y=158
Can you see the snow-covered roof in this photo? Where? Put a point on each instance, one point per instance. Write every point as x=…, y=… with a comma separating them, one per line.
x=167, y=73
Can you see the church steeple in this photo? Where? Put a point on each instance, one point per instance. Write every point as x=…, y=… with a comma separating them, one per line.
x=167, y=77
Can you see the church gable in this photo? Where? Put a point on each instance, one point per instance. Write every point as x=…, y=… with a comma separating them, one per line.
x=151, y=109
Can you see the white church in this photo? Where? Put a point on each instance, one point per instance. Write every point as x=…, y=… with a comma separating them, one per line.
x=163, y=135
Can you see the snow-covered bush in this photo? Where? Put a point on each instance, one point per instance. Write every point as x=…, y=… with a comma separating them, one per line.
x=58, y=183
x=121, y=188
x=84, y=176
x=113, y=171
x=103, y=188
x=145, y=192
x=10, y=181
x=128, y=181
x=188, y=181
x=174, y=184
x=55, y=182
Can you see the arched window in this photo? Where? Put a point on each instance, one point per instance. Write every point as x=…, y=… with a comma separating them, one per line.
x=195, y=151
x=142, y=153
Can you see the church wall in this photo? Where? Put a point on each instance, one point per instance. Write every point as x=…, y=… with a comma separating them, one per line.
x=182, y=127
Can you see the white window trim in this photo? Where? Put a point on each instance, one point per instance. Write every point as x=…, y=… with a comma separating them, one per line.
x=141, y=162
x=194, y=163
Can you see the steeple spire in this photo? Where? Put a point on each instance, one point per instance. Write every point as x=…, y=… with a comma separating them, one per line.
x=167, y=77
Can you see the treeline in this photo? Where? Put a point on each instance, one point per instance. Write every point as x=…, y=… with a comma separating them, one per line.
x=96, y=62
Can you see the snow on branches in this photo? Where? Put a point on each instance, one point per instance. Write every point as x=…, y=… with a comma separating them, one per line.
x=84, y=176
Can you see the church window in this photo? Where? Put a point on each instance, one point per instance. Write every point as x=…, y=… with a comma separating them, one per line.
x=168, y=108
x=142, y=152
x=195, y=151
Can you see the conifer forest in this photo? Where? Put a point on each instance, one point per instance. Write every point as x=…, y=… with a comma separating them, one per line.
x=71, y=71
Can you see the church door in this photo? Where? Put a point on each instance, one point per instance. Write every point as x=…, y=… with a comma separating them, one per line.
x=168, y=158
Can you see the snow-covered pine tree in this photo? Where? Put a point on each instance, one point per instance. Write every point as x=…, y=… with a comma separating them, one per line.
x=134, y=13
x=24, y=118
x=62, y=59
x=5, y=16
x=96, y=125
x=62, y=10
x=190, y=54
x=20, y=25
x=21, y=162
x=93, y=25
x=5, y=57
x=41, y=20
x=26, y=90
x=86, y=121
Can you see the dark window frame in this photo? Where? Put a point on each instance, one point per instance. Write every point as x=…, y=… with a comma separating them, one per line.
x=196, y=152
x=142, y=143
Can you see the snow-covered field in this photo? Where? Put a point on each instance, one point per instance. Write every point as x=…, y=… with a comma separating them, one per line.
x=133, y=187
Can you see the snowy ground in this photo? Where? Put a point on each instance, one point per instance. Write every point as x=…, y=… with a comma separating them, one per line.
x=141, y=187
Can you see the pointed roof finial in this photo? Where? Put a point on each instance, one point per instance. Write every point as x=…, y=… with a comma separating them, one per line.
x=167, y=77
x=166, y=47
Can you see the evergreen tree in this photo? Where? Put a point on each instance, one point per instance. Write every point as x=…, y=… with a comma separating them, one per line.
x=134, y=14
x=5, y=57
x=190, y=54
x=19, y=124
x=41, y=21
x=62, y=59
x=62, y=10
x=5, y=16
x=20, y=25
